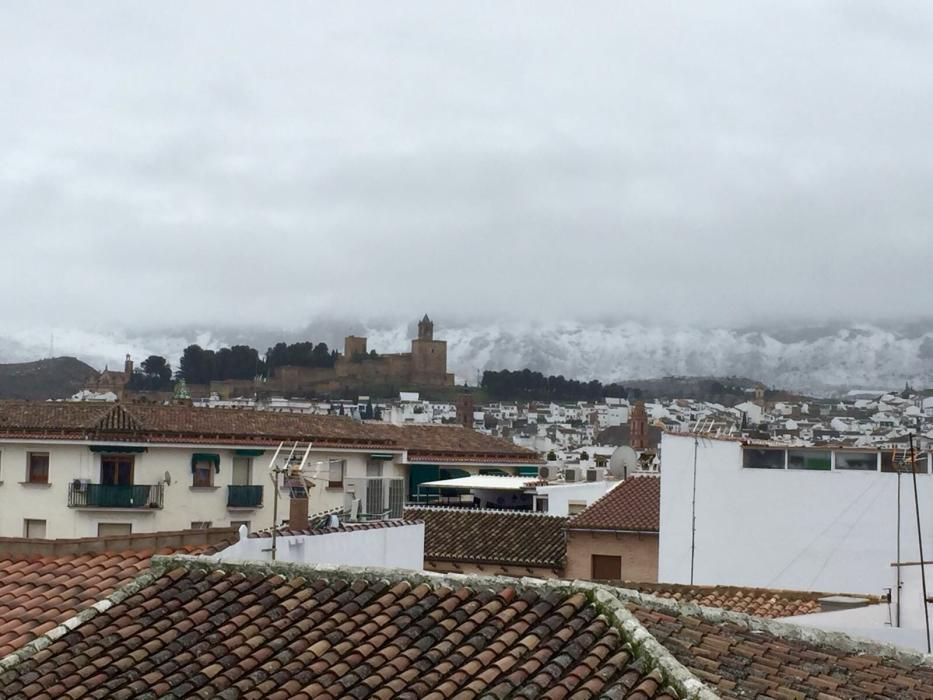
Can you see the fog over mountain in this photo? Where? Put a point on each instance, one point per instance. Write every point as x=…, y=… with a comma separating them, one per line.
x=820, y=360
x=663, y=174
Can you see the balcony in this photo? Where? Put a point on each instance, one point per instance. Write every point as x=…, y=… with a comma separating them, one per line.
x=139, y=496
x=244, y=497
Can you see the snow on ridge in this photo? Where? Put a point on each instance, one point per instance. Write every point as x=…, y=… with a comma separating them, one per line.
x=857, y=356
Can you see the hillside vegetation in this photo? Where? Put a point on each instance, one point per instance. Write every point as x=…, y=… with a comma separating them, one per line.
x=56, y=378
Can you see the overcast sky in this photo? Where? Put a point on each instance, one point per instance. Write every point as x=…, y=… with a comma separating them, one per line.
x=266, y=163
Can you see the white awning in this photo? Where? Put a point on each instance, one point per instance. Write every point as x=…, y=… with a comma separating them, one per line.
x=486, y=481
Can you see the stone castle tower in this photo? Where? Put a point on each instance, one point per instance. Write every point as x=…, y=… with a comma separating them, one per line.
x=428, y=356
x=425, y=329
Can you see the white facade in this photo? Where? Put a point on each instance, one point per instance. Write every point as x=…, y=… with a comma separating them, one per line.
x=561, y=496
x=182, y=503
x=889, y=623
x=388, y=547
x=832, y=531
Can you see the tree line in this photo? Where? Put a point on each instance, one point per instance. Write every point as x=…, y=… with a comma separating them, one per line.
x=534, y=386
x=201, y=365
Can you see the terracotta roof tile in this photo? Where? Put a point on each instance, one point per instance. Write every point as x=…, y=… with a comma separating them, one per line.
x=342, y=527
x=170, y=423
x=635, y=504
x=38, y=593
x=491, y=536
x=760, y=602
x=739, y=661
x=343, y=639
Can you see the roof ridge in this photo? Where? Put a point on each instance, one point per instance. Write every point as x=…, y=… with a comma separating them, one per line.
x=643, y=644
x=790, y=592
x=785, y=630
x=139, y=582
x=497, y=511
x=118, y=418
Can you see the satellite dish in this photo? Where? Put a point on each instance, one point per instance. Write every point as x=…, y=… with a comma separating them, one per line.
x=623, y=462
x=167, y=478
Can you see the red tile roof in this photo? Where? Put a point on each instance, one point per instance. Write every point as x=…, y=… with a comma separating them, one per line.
x=199, y=632
x=760, y=602
x=742, y=658
x=491, y=536
x=342, y=527
x=38, y=593
x=44, y=420
x=633, y=505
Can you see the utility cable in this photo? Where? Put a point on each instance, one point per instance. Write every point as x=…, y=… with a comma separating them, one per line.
x=822, y=532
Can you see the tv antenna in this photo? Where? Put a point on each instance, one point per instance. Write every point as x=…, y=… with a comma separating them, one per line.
x=288, y=468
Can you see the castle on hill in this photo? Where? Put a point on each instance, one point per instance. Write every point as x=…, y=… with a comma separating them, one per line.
x=425, y=367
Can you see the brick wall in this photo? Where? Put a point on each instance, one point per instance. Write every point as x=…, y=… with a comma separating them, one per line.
x=639, y=553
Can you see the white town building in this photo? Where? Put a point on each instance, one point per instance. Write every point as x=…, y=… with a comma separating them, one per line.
x=773, y=516
x=70, y=469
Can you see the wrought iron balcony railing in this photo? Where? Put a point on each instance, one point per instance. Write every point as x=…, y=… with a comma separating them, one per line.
x=85, y=495
x=244, y=496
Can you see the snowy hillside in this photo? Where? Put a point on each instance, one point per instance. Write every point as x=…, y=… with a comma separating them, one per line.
x=821, y=360
x=858, y=356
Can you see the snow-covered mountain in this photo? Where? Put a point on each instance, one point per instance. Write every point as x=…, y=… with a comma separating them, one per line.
x=816, y=360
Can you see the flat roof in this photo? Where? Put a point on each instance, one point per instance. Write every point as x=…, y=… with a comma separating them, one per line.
x=487, y=481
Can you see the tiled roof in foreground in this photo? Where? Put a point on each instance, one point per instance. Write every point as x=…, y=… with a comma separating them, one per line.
x=190, y=629
x=740, y=656
x=38, y=593
x=491, y=536
x=193, y=631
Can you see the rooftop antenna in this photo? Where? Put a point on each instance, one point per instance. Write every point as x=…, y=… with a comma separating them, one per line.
x=900, y=584
x=923, y=571
x=693, y=509
x=274, y=475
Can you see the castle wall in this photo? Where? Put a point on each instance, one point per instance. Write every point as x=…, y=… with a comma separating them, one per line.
x=429, y=361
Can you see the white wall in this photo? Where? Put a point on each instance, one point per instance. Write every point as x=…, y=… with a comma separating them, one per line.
x=831, y=531
x=182, y=504
x=560, y=495
x=393, y=547
x=880, y=622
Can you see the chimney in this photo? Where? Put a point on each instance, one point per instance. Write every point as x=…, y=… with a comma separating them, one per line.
x=298, y=511
x=128, y=366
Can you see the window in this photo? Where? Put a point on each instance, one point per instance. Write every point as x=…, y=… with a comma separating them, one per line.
x=541, y=504
x=606, y=568
x=574, y=507
x=900, y=461
x=38, y=468
x=859, y=461
x=116, y=470
x=200, y=524
x=374, y=467
x=34, y=529
x=238, y=523
x=114, y=529
x=242, y=471
x=753, y=458
x=818, y=460
x=203, y=473
x=336, y=470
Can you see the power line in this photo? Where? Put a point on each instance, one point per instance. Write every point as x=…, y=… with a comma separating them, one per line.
x=822, y=532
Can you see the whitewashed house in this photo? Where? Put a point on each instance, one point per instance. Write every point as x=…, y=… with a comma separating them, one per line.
x=779, y=516
x=89, y=469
